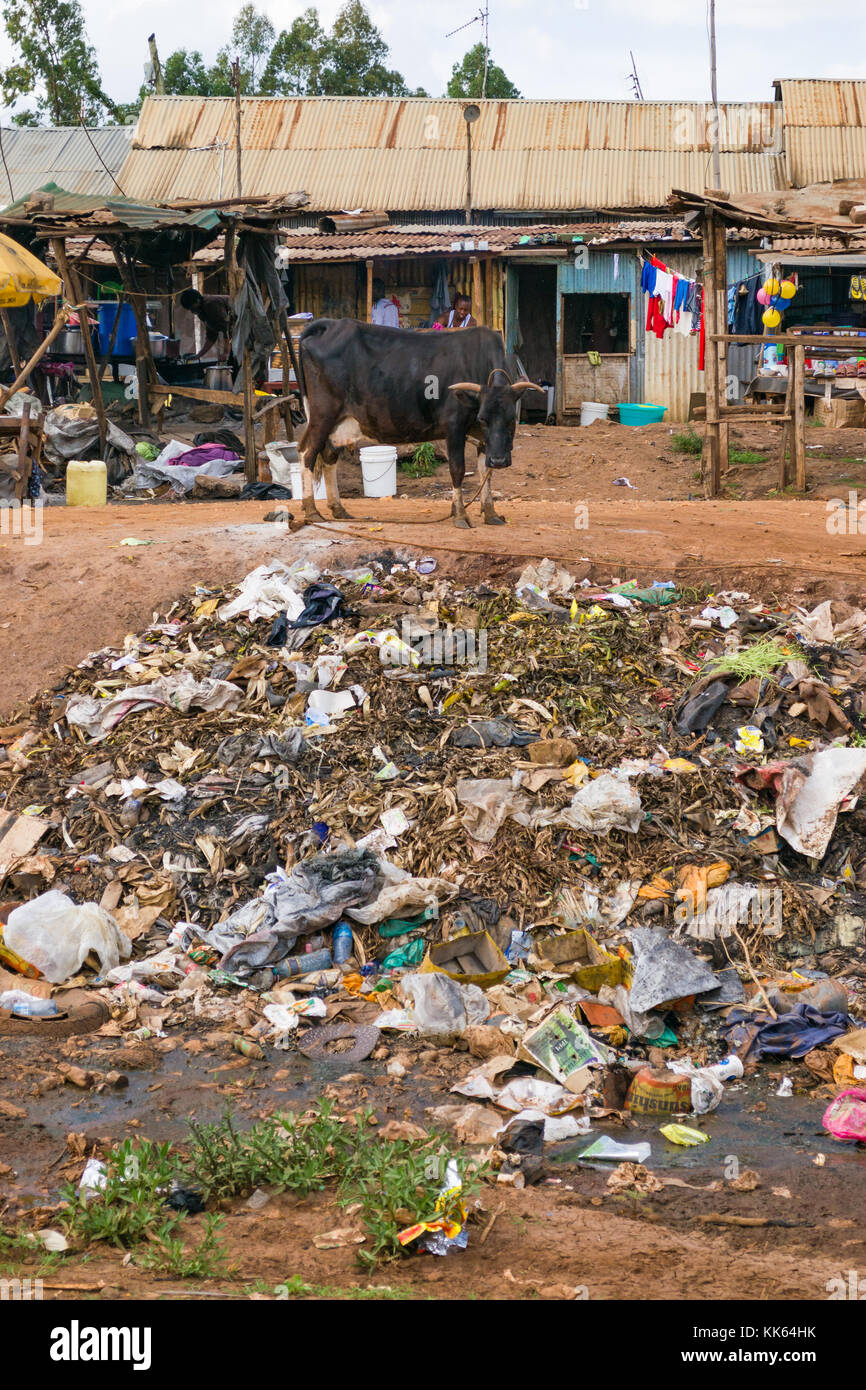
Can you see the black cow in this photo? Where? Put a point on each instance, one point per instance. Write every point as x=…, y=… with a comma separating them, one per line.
x=363, y=380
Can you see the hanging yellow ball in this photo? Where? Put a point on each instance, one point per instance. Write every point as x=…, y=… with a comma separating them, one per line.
x=771, y=287
x=789, y=289
x=771, y=318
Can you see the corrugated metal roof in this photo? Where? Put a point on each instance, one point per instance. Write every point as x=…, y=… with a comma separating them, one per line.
x=382, y=242
x=87, y=210
x=825, y=129
x=410, y=154
x=38, y=155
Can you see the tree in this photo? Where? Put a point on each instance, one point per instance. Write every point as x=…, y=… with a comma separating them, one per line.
x=252, y=38
x=185, y=75
x=356, y=57
x=467, y=77
x=350, y=61
x=54, y=64
x=297, y=59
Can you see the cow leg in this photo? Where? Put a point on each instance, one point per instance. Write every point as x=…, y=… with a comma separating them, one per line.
x=457, y=466
x=311, y=446
x=332, y=487
x=491, y=516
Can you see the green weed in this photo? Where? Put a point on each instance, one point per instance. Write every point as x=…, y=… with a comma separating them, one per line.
x=746, y=456
x=207, y=1260
x=758, y=661
x=687, y=442
x=131, y=1206
x=422, y=464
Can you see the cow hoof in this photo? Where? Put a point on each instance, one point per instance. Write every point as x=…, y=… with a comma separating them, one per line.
x=463, y=522
x=492, y=519
x=339, y=513
x=312, y=514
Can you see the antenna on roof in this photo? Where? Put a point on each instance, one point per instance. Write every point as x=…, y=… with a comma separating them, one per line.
x=637, y=90
x=482, y=18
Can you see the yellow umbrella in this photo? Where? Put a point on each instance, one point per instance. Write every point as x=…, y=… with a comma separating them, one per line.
x=22, y=276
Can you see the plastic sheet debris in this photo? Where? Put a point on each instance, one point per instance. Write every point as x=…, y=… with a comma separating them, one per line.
x=439, y=1005
x=684, y=1135
x=845, y=1117
x=611, y=1151
x=56, y=935
x=665, y=971
x=180, y=692
x=811, y=794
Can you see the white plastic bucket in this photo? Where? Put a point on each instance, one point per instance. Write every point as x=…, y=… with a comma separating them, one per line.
x=379, y=470
x=592, y=410
x=296, y=475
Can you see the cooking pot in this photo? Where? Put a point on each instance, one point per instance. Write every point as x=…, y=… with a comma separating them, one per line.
x=70, y=340
x=163, y=347
x=218, y=378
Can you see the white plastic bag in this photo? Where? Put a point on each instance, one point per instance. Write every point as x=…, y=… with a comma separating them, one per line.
x=441, y=1005
x=56, y=935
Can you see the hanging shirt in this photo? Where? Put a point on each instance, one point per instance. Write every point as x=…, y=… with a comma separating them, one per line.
x=648, y=278
x=681, y=294
x=684, y=323
x=665, y=292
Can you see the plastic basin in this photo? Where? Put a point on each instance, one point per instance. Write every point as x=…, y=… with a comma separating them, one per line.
x=640, y=414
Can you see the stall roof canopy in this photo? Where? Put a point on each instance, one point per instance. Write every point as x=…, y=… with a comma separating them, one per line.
x=84, y=161
x=53, y=209
x=822, y=209
x=409, y=154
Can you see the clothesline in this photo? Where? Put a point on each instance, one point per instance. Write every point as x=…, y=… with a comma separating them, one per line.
x=675, y=302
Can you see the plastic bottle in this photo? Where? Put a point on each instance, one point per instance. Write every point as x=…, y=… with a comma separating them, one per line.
x=293, y=966
x=729, y=1069
x=342, y=944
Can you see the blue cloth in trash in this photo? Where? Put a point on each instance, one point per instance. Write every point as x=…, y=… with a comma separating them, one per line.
x=792, y=1035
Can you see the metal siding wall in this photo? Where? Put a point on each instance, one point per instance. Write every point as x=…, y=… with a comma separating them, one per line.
x=598, y=278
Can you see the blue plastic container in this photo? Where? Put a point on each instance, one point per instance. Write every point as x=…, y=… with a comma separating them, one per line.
x=126, y=329
x=640, y=414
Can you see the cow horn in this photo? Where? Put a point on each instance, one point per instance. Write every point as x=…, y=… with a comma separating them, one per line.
x=465, y=386
x=520, y=386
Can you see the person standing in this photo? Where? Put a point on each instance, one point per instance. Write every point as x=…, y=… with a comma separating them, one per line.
x=460, y=315
x=385, y=311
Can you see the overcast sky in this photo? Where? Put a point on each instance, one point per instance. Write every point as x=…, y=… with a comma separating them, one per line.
x=549, y=48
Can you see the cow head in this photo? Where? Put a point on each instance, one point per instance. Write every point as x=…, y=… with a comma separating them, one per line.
x=496, y=406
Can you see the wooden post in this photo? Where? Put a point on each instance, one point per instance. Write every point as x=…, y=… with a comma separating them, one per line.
x=11, y=342
x=57, y=326
x=71, y=281
x=285, y=355
x=235, y=279
x=144, y=368
x=798, y=423
x=369, y=310
x=710, y=459
x=786, y=427
x=477, y=293
x=721, y=349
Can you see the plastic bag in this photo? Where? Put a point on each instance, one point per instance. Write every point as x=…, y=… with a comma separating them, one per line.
x=56, y=935
x=440, y=1005
x=707, y=1089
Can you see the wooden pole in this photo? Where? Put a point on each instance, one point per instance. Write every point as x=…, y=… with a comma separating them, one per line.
x=710, y=459
x=477, y=293
x=236, y=83
x=721, y=351
x=235, y=280
x=786, y=428
x=369, y=309
x=70, y=279
x=57, y=326
x=11, y=341
x=144, y=369
x=799, y=413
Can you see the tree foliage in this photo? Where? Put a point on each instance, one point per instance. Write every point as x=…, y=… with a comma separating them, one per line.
x=54, y=64
x=467, y=77
x=351, y=60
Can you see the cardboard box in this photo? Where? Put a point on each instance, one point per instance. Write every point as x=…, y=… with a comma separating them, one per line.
x=473, y=959
x=564, y=1049
x=579, y=956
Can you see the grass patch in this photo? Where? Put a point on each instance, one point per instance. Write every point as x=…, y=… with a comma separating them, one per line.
x=746, y=456
x=758, y=661
x=422, y=464
x=687, y=442
x=296, y=1287
x=391, y=1184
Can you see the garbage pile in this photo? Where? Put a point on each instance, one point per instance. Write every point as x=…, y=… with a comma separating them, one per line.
x=605, y=840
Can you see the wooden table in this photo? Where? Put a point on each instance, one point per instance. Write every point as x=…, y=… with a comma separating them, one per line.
x=25, y=435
